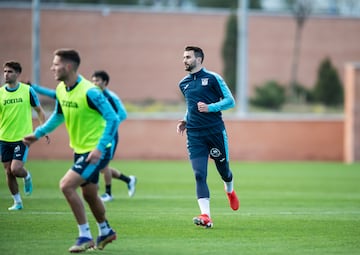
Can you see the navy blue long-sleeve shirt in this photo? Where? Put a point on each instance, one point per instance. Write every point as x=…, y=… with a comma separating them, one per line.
x=210, y=88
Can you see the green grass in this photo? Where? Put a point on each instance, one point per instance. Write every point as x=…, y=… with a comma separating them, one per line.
x=286, y=208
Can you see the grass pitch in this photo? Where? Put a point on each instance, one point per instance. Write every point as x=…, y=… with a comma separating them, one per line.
x=286, y=208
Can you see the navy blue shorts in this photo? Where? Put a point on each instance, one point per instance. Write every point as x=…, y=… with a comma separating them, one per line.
x=13, y=150
x=213, y=145
x=90, y=172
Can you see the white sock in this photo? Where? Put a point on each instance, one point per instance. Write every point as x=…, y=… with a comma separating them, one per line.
x=17, y=198
x=204, y=205
x=84, y=230
x=104, y=228
x=229, y=186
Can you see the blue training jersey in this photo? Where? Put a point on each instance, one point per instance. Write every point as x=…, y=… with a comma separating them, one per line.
x=113, y=99
x=210, y=88
x=44, y=91
x=116, y=104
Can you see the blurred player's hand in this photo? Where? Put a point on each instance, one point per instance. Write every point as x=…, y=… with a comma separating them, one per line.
x=181, y=127
x=29, y=139
x=202, y=107
x=94, y=156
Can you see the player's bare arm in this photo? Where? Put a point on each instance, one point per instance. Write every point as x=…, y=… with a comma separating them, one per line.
x=41, y=117
x=40, y=113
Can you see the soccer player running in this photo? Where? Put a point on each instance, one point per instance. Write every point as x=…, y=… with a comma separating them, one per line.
x=91, y=124
x=206, y=95
x=101, y=79
x=17, y=101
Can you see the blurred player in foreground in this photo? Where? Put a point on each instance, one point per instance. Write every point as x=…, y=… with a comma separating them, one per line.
x=91, y=124
x=101, y=79
x=17, y=99
x=206, y=95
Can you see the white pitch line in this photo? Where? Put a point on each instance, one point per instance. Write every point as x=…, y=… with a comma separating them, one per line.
x=302, y=213
x=37, y=213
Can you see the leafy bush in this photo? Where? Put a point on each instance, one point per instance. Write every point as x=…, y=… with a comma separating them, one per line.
x=270, y=95
x=217, y=3
x=233, y=4
x=303, y=94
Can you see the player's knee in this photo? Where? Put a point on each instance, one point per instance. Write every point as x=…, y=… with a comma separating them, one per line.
x=16, y=170
x=199, y=176
x=64, y=186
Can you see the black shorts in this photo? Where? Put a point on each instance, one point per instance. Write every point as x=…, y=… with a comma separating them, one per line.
x=13, y=150
x=114, y=145
x=90, y=172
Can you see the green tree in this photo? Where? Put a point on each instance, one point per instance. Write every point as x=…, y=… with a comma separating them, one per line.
x=328, y=88
x=118, y=2
x=229, y=51
x=255, y=4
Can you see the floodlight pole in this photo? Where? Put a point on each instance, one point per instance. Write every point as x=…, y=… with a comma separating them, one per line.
x=35, y=41
x=242, y=58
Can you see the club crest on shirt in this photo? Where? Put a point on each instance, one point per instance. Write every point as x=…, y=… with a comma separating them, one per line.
x=204, y=81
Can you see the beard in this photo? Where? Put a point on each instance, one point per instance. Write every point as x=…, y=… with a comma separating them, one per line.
x=189, y=67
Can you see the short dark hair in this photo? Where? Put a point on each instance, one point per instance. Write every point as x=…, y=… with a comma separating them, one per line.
x=198, y=52
x=13, y=65
x=69, y=55
x=103, y=75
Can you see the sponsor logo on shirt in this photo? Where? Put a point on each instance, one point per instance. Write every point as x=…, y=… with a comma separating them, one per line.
x=12, y=101
x=69, y=104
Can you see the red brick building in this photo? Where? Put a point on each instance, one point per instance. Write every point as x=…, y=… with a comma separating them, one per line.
x=143, y=50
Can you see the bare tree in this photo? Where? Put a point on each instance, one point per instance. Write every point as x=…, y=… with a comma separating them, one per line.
x=301, y=10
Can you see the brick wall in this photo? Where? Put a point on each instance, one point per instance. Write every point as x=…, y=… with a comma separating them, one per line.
x=249, y=140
